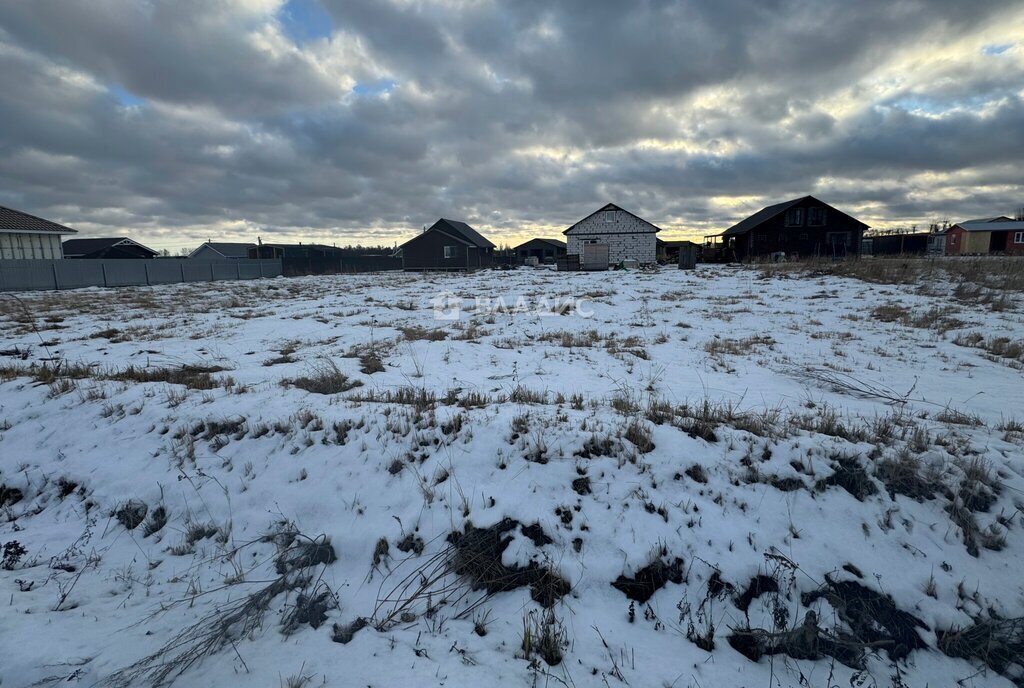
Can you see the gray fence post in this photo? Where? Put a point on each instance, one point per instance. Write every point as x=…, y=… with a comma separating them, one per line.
x=211, y=271
x=182, y=266
x=56, y=280
x=238, y=270
x=261, y=268
x=103, y=269
x=145, y=268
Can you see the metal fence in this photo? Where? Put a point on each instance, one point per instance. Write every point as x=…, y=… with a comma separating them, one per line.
x=294, y=266
x=25, y=275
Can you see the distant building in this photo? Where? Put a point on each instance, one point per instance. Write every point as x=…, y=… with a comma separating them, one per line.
x=220, y=250
x=896, y=243
x=801, y=227
x=937, y=242
x=447, y=245
x=107, y=247
x=294, y=251
x=668, y=251
x=611, y=235
x=986, y=235
x=24, y=236
x=545, y=250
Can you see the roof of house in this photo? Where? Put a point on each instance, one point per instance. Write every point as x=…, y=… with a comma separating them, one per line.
x=765, y=214
x=995, y=225
x=15, y=220
x=81, y=247
x=468, y=233
x=1000, y=218
x=612, y=206
x=459, y=231
x=227, y=249
x=553, y=242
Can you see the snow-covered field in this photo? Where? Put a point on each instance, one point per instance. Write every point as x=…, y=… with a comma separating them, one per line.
x=811, y=465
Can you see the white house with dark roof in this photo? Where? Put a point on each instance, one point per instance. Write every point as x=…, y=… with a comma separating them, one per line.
x=613, y=231
x=24, y=236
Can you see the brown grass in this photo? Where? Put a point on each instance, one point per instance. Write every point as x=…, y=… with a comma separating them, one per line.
x=325, y=378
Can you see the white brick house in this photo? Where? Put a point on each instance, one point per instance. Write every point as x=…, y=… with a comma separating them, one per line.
x=24, y=236
x=626, y=235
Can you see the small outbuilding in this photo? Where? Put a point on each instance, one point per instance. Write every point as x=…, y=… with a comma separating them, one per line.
x=669, y=250
x=886, y=243
x=986, y=235
x=544, y=250
x=447, y=245
x=107, y=248
x=24, y=236
x=611, y=235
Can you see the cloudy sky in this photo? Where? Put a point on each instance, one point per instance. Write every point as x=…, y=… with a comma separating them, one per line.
x=363, y=120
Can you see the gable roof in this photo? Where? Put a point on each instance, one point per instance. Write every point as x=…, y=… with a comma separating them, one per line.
x=459, y=231
x=553, y=242
x=993, y=225
x=15, y=220
x=81, y=247
x=764, y=214
x=226, y=249
x=744, y=226
x=612, y=206
x=465, y=231
x=1001, y=218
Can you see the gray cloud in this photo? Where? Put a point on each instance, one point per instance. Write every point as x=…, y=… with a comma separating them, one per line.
x=516, y=116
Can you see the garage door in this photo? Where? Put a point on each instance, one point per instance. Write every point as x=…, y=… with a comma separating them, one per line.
x=595, y=256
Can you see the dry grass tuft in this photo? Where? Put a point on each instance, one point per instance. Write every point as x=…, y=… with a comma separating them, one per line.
x=325, y=378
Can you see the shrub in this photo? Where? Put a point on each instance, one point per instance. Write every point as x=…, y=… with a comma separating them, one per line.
x=417, y=332
x=131, y=513
x=191, y=376
x=13, y=551
x=326, y=378
x=639, y=434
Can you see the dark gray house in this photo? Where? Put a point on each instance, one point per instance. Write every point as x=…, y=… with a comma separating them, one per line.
x=107, y=247
x=447, y=245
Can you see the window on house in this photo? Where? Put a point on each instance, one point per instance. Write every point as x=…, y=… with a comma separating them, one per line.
x=804, y=236
x=795, y=217
x=609, y=216
x=952, y=238
x=449, y=251
x=815, y=217
x=1018, y=238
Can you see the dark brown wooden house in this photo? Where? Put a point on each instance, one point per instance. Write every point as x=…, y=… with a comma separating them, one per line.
x=447, y=245
x=798, y=228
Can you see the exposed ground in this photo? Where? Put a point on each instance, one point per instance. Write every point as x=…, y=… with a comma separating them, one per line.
x=728, y=477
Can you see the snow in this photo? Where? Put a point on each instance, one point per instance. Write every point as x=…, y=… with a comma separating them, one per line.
x=129, y=594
